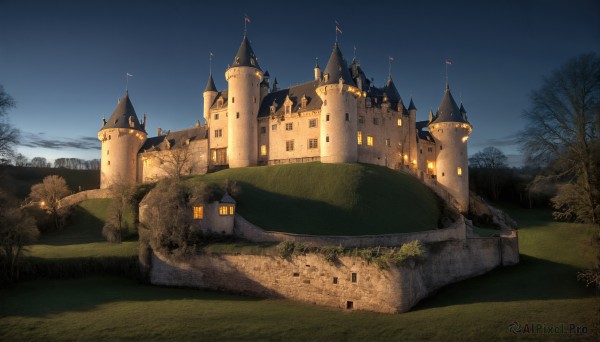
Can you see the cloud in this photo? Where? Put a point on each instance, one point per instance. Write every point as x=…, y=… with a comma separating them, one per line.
x=41, y=140
x=509, y=140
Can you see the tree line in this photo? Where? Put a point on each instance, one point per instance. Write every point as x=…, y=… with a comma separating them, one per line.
x=68, y=163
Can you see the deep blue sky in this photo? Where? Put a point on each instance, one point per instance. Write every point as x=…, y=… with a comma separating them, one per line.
x=65, y=61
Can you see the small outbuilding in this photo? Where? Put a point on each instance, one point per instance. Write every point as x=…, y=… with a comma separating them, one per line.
x=215, y=217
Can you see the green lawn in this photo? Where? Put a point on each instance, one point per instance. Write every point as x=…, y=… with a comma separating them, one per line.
x=20, y=179
x=540, y=290
x=331, y=199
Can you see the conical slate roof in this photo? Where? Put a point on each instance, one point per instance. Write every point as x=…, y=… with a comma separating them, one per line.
x=337, y=68
x=245, y=55
x=412, y=106
x=210, y=86
x=391, y=91
x=122, y=115
x=462, y=109
x=448, y=111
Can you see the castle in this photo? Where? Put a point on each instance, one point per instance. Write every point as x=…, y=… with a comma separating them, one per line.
x=338, y=117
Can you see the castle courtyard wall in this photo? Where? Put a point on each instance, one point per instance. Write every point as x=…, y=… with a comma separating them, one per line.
x=350, y=282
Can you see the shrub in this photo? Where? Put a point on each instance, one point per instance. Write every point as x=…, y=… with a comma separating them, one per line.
x=413, y=250
x=286, y=249
x=331, y=253
x=112, y=233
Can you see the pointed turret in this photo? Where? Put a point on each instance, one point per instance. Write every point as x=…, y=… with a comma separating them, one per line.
x=245, y=55
x=391, y=92
x=275, y=85
x=448, y=111
x=124, y=116
x=244, y=98
x=412, y=106
x=337, y=69
x=318, y=73
x=210, y=85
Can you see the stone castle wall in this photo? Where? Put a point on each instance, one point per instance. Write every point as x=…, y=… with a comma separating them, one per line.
x=84, y=195
x=248, y=231
x=350, y=283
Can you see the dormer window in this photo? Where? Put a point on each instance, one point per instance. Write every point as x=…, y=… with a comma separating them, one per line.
x=131, y=122
x=272, y=109
x=326, y=78
x=304, y=101
x=220, y=103
x=288, y=109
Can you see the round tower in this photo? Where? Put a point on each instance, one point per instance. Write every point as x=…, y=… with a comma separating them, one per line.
x=243, y=77
x=210, y=94
x=450, y=129
x=122, y=136
x=338, y=127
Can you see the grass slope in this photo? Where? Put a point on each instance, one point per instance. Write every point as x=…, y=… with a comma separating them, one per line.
x=331, y=199
x=20, y=179
x=540, y=290
x=82, y=237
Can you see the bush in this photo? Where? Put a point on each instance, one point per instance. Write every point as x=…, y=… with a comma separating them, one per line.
x=413, y=250
x=112, y=233
x=286, y=249
x=331, y=253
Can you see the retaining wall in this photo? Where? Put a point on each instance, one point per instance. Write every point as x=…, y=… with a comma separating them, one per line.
x=84, y=195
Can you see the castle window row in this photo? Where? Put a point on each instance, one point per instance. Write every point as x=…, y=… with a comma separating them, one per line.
x=313, y=143
x=289, y=126
x=226, y=209
x=198, y=212
x=218, y=133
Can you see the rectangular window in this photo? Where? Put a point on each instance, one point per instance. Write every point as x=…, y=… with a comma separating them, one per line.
x=263, y=130
x=375, y=121
x=288, y=109
x=359, y=137
x=349, y=305
x=216, y=116
x=335, y=280
x=387, y=142
x=223, y=210
x=254, y=99
x=232, y=99
x=361, y=119
x=218, y=133
x=263, y=150
x=327, y=139
x=347, y=116
x=354, y=277
x=327, y=117
x=198, y=212
x=289, y=126
x=274, y=127
x=459, y=171
x=147, y=162
x=399, y=122
x=237, y=115
x=313, y=143
x=231, y=209
x=369, y=140
x=312, y=123
x=289, y=145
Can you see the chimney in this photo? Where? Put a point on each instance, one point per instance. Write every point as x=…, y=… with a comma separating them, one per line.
x=159, y=131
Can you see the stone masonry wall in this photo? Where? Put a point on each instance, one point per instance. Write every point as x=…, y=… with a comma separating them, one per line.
x=249, y=231
x=84, y=195
x=310, y=278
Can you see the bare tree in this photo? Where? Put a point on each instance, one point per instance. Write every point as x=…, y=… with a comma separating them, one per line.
x=122, y=202
x=39, y=162
x=175, y=162
x=9, y=135
x=52, y=189
x=20, y=160
x=489, y=158
x=563, y=130
x=17, y=229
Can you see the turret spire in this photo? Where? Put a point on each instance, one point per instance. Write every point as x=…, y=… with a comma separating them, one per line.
x=245, y=55
x=337, y=69
x=210, y=85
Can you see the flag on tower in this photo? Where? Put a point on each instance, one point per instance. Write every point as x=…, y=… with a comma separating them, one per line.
x=448, y=62
x=391, y=58
x=130, y=75
x=246, y=19
x=337, y=27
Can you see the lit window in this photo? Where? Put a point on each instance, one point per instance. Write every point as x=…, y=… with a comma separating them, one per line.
x=387, y=142
x=214, y=155
x=231, y=210
x=274, y=127
x=147, y=162
x=459, y=171
x=289, y=145
x=313, y=143
x=312, y=123
x=218, y=133
x=399, y=122
x=289, y=126
x=359, y=137
x=369, y=140
x=263, y=150
x=223, y=210
x=430, y=165
x=216, y=116
x=198, y=212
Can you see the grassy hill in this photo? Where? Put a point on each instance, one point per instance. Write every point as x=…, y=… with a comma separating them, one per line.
x=331, y=199
x=540, y=290
x=20, y=179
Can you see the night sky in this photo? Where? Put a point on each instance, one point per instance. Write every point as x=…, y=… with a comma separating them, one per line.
x=65, y=61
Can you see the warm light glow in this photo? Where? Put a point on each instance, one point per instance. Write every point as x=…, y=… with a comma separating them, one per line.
x=465, y=138
x=359, y=137
x=414, y=161
x=430, y=165
x=369, y=140
x=198, y=212
x=399, y=122
x=406, y=157
x=223, y=209
x=459, y=171
x=42, y=204
x=231, y=210
x=263, y=150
